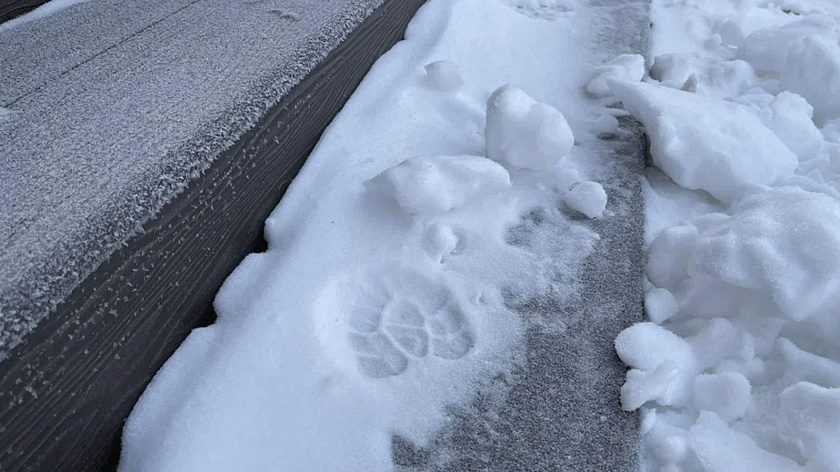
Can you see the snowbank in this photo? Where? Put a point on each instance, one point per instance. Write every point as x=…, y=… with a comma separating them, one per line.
x=739, y=366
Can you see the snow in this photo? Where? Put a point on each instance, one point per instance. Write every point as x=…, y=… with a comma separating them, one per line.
x=760, y=247
x=790, y=117
x=414, y=261
x=588, y=198
x=743, y=239
x=524, y=133
x=643, y=386
x=705, y=144
x=432, y=185
x=624, y=67
x=445, y=75
x=660, y=305
x=813, y=413
x=805, y=56
x=721, y=449
x=727, y=394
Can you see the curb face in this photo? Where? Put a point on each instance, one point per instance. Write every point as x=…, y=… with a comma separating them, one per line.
x=10, y=9
x=67, y=388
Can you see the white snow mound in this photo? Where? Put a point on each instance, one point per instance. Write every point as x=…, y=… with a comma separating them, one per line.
x=706, y=144
x=805, y=56
x=522, y=132
x=785, y=242
x=433, y=185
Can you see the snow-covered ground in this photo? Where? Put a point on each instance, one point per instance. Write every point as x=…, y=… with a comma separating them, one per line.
x=460, y=180
x=386, y=292
x=739, y=366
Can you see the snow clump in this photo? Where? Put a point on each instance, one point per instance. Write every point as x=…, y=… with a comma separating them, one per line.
x=805, y=56
x=432, y=185
x=524, y=133
x=706, y=144
x=588, y=198
x=629, y=67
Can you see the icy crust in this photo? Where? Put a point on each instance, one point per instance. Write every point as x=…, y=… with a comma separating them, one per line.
x=68, y=205
x=448, y=190
x=739, y=366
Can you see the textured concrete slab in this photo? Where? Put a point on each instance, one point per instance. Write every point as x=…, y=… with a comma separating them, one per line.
x=114, y=106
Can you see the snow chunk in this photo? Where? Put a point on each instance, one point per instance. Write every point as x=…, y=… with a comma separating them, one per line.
x=785, y=242
x=814, y=413
x=439, y=240
x=672, y=70
x=445, y=76
x=522, y=132
x=767, y=48
x=705, y=144
x=731, y=34
x=588, y=198
x=671, y=256
x=669, y=444
x=431, y=185
x=660, y=305
x=605, y=126
x=624, y=67
x=805, y=55
x=709, y=77
x=716, y=341
x=646, y=346
x=644, y=386
x=727, y=394
x=804, y=366
x=720, y=449
x=790, y=117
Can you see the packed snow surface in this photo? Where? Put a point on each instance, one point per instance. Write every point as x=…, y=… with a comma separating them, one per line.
x=739, y=366
x=456, y=184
